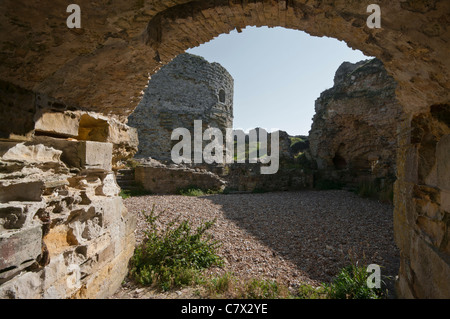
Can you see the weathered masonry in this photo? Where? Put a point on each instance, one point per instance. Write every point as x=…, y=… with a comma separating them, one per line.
x=189, y=88
x=353, y=137
x=103, y=68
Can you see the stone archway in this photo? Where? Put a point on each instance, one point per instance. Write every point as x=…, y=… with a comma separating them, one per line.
x=103, y=67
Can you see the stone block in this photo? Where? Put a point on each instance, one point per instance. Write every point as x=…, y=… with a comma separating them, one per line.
x=443, y=162
x=410, y=165
x=93, y=127
x=445, y=201
x=32, y=154
x=85, y=225
x=100, y=128
x=26, y=191
x=19, y=248
x=53, y=272
x=106, y=280
x=97, y=245
x=12, y=217
x=111, y=209
x=6, y=145
x=433, y=230
x=95, y=155
x=123, y=134
x=26, y=285
x=58, y=123
x=165, y=180
x=81, y=154
x=57, y=240
x=69, y=149
x=431, y=271
x=108, y=187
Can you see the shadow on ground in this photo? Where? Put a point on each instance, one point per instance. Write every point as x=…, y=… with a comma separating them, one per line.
x=320, y=231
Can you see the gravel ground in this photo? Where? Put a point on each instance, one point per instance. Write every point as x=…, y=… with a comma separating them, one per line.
x=293, y=237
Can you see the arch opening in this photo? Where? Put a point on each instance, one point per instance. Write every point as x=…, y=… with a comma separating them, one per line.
x=338, y=162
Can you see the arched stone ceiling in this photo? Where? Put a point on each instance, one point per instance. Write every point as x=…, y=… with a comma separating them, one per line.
x=105, y=65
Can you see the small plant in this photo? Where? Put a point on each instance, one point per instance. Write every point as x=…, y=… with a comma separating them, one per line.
x=127, y=193
x=296, y=139
x=377, y=190
x=351, y=283
x=196, y=191
x=262, y=289
x=191, y=191
x=306, y=291
x=173, y=257
x=231, y=287
x=132, y=163
x=220, y=285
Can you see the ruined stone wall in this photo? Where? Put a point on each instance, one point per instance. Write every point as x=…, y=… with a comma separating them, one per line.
x=188, y=88
x=248, y=178
x=422, y=204
x=171, y=179
x=160, y=178
x=64, y=231
x=354, y=132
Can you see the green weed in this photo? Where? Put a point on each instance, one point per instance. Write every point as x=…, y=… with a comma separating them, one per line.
x=173, y=257
x=351, y=283
x=127, y=193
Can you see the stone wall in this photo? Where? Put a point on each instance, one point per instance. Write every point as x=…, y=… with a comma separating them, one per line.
x=422, y=204
x=159, y=178
x=64, y=231
x=162, y=178
x=88, y=126
x=189, y=88
x=291, y=174
x=354, y=135
x=248, y=178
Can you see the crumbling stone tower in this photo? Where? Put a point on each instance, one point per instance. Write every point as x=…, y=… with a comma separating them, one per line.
x=188, y=88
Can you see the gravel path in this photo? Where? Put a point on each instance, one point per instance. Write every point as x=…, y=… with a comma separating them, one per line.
x=292, y=237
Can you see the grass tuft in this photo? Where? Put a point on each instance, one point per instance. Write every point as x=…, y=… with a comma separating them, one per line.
x=351, y=283
x=173, y=257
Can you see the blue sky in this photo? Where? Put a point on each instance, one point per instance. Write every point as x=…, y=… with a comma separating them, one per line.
x=278, y=74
